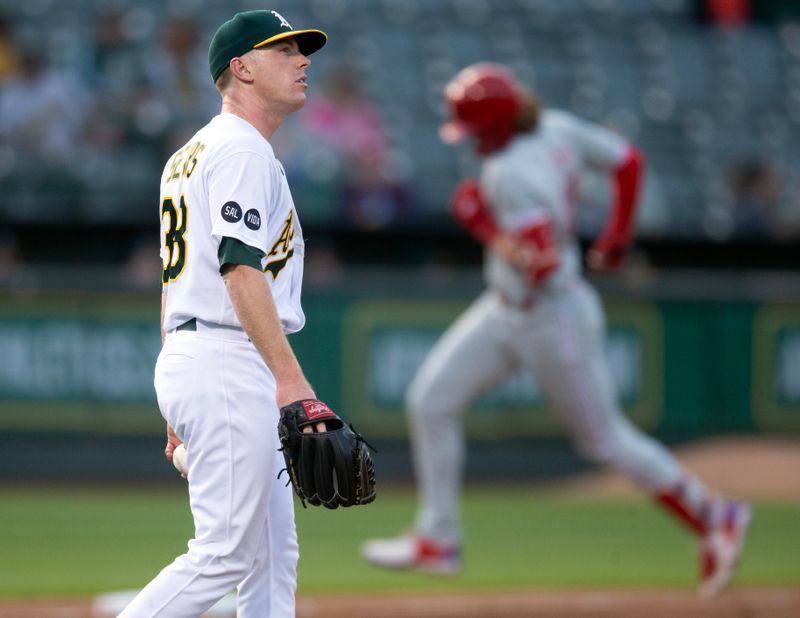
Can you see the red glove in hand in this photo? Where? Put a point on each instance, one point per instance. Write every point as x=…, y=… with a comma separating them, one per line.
x=472, y=212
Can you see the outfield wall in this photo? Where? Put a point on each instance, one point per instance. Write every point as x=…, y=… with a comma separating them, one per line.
x=684, y=366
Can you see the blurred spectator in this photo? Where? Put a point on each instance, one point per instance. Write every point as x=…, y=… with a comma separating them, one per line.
x=345, y=132
x=124, y=144
x=41, y=109
x=126, y=97
x=42, y=114
x=724, y=12
x=90, y=148
x=142, y=268
x=756, y=192
x=741, y=12
x=10, y=258
x=117, y=63
x=8, y=55
x=322, y=267
x=343, y=118
x=178, y=69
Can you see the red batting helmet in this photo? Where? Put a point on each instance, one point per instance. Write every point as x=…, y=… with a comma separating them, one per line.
x=483, y=102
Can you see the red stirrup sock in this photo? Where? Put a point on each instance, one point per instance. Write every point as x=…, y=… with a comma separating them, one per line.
x=691, y=503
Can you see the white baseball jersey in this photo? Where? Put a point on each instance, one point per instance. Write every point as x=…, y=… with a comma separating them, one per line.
x=212, y=384
x=554, y=331
x=535, y=178
x=226, y=182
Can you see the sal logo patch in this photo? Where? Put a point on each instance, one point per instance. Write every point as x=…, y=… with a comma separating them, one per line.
x=252, y=219
x=231, y=212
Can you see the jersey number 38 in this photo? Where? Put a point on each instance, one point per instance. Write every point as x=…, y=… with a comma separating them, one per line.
x=173, y=222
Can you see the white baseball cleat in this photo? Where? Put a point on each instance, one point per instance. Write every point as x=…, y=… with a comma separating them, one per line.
x=413, y=552
x=720, y=548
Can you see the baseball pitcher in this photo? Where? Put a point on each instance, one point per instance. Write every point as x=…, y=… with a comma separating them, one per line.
x=227, y=381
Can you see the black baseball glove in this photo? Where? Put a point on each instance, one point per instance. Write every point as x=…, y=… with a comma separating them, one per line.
x=331, y=468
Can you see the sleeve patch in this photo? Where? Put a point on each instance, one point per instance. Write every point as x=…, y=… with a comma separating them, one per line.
x=232, y=212
x=252, y=219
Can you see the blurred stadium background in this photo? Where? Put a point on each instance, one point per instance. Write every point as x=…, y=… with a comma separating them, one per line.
x=704, y=320
x=705, y=332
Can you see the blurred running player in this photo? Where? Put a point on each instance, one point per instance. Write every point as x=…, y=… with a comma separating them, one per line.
x=538, y=314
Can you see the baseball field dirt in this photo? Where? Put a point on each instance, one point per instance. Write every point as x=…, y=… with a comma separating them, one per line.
x=749, y=603
x=772, y=474
x=735, y=603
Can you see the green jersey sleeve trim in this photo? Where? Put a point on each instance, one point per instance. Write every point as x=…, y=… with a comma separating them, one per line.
x=234, y=251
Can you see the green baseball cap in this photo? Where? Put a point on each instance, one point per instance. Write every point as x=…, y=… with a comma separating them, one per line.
x=254, y=29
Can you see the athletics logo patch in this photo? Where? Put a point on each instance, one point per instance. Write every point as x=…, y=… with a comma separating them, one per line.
x=231, y=212
x=252, y=219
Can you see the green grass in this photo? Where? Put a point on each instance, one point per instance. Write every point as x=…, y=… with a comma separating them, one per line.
x=75, y=541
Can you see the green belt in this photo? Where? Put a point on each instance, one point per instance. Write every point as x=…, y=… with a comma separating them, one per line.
x=188, y=325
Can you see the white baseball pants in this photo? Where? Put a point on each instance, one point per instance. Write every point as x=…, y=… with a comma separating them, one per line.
x=560, y=341
x=219, y=396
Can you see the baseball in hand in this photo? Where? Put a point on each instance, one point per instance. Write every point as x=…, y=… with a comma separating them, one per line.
x=179, y=460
